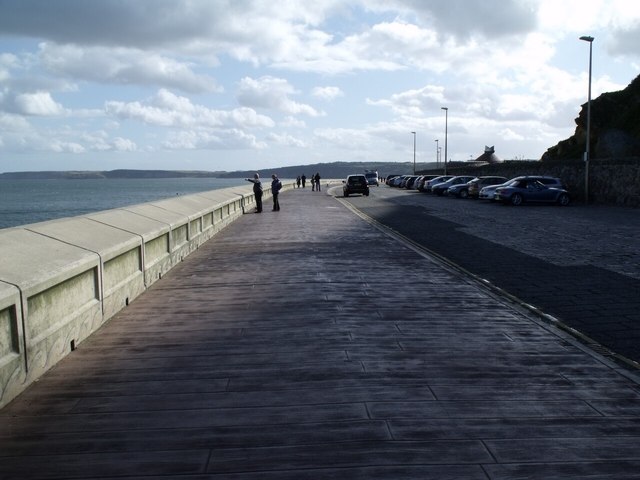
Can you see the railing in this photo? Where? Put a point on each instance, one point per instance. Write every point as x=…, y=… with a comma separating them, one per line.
x=61, y=280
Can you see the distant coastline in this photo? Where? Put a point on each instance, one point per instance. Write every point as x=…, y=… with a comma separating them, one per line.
x=327, y=170
x=123, y=173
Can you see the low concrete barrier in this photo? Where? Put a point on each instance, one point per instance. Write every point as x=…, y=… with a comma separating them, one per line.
x=61, y=280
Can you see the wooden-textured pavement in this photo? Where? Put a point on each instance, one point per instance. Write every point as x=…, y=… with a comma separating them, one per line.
x=308, y=344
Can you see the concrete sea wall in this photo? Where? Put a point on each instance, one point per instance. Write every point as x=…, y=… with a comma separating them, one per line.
x=61, y=280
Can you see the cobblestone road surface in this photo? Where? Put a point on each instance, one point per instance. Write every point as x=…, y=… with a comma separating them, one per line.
x=578, y=264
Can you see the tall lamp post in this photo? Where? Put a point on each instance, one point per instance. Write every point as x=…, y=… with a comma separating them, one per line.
x=437, y=154
x=414, y=152
x=446, y=125
x=587, y=156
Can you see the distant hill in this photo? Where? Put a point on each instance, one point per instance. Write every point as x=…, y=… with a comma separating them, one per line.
x=333, y=170
x=79, y=175
x=615, y=128
x=326, y=170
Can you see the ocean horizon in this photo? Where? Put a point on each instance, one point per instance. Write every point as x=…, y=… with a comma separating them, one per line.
x=23, y=202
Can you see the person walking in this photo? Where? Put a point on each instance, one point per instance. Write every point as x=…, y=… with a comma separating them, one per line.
x=304, y=180
x=276, y=185
x=257, y=191
x=298, y=180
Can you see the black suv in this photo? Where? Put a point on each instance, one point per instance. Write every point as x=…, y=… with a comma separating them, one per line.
x=355, y=184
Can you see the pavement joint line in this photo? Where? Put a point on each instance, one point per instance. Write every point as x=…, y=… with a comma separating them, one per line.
x=586, y=343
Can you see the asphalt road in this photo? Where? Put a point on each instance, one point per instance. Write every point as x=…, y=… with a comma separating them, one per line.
x=578, y=264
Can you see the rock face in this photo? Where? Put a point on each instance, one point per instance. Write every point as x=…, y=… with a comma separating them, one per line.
x=615, y=128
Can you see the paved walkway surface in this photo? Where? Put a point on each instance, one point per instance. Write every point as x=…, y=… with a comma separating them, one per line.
x=308, y=344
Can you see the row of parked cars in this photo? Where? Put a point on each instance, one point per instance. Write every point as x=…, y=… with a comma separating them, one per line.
x=518, y=190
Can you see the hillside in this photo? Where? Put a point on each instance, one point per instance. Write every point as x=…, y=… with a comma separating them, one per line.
x=615, y=128
x=123, y=173
x=326, y=170
x=333, y=170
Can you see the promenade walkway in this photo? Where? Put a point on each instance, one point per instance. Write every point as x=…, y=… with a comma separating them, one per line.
x=308, y=344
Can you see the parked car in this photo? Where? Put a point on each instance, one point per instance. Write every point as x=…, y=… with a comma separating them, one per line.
x=391, y=182
x=408, y=181
x=532, y=189
x=397, y=182
x=489, y=192
x=355, y=184
x=418, y=182
x=442, y=187
x=388, y=178
x=477, y=184
x=423, y=180
x=429, y=184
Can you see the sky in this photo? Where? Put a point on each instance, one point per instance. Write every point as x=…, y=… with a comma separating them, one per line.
x=251, y=84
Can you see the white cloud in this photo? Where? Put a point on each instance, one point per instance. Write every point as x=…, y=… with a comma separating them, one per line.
x=124, y=145
x=272, y=93
x=169, y=110
x=193, y=75
x=413, y=103
x=286, y=140
x=292, y=122
x=36, y=104
x=123, y=66
x=12, y=123
x=327, y=93
x=218, y=140
x=59, y=146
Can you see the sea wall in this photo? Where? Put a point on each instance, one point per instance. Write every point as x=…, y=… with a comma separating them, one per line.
x=61, y=280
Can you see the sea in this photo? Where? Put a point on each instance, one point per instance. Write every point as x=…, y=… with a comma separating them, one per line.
x=30, y=201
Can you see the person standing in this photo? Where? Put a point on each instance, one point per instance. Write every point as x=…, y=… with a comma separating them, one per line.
x=257, y=191
x=276, y=185
x=298, y=180
x=304, y=180
x=316, y=180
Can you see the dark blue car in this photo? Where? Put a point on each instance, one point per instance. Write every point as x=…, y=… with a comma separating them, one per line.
x=532, y=189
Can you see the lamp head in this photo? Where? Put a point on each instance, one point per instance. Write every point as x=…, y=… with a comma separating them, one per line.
x=587, y=38
x=444, y=108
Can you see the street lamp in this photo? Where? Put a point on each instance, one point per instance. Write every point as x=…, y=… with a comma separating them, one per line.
x=587, y=157
x=414, y=152
x=446, y=125
x=437, y=154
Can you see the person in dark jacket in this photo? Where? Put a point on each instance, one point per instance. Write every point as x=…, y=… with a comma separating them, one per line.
x=276, y=185
x=257, y=191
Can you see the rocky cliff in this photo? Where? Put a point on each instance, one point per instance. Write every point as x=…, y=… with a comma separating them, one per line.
x=615, y=128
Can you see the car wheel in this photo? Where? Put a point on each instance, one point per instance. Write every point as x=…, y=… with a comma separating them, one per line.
x=516, y=199
x=463, y=194
x=563, y=200
x=345, y=194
